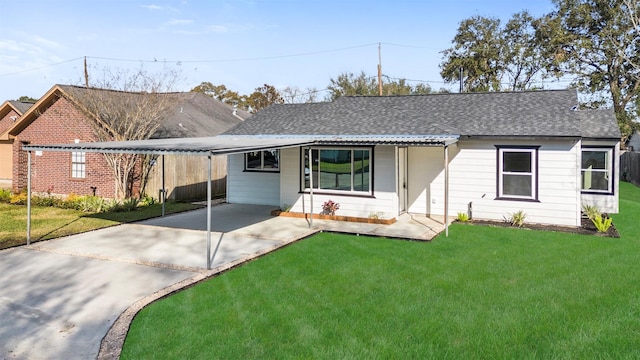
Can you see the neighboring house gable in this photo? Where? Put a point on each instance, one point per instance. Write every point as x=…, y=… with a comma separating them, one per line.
x=10, y=112
x=385, y=155
x=58, y=117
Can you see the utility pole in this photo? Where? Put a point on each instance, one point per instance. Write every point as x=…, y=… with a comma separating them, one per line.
x=379, y=69
x=461, y=81
x=86, y=74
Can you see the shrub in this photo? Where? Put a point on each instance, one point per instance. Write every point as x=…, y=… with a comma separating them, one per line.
x=18, y=199
x=591, y=211
x=48, y=200
x=517, y=218
x=5, y=195
x=602, y=222
x=94, y=204
x=463, y=217
x=147, y=200
x=330, y=207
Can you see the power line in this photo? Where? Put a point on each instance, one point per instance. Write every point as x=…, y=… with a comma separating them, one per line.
x=41, y=67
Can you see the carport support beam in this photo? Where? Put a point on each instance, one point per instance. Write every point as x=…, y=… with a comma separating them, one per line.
x=446, y=190
x=310, y=187
x=164, y=195
x=209, y=214
x=28, y=197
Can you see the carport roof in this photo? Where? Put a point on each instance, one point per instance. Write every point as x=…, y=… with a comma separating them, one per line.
x=230, y=144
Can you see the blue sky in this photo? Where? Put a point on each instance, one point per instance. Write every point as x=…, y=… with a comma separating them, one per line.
x=241, y=44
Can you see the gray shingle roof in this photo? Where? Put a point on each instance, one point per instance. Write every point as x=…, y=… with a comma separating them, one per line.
x=198, y=115
x=21, y=106
x=528, y=113
x=193, y=114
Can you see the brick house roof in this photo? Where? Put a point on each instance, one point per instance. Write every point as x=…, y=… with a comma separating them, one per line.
x=192, y=114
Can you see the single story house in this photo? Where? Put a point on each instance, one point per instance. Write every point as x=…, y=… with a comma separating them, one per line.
x=488, y=154
x=61, y=116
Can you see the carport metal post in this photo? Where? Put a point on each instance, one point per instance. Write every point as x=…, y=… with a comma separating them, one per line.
x=310, y=187
x=209, y=213
x=164, y=195
x=28, y=197
x=446, y=191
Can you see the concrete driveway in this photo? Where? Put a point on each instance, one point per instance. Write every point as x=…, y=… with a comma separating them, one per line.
x=59, y=298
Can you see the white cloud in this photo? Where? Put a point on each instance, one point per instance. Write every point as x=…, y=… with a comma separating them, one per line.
x=152, y=7
x=217, y=28
x=180, y=22
x=48, y=43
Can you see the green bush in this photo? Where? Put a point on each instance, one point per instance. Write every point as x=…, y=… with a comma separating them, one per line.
x=5, y=195
x=591, y=211
x=602, y=222
x=45, y=200
x=517, y=218
x=463, y=217
x=147, y=200
x=93, y=204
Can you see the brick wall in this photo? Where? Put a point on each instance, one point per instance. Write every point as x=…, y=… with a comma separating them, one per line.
x=62, y=122
x=6, y=121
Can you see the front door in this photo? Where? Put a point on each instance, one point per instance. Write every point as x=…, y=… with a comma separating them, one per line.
x=402, y=179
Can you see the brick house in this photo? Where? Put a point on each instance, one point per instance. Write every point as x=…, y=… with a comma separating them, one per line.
x=10, y=111
x=58, y=117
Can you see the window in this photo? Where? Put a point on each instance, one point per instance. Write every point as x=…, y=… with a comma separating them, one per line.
x=78, y=165
x=597, y=170
x=339, y=170
x=268, y=160
x=518, y=173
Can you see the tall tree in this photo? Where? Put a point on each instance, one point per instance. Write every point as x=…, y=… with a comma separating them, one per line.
x=348, y=84
x=597, y=42
x=490, y=54
x=127, y=106
x=219, y=92
x=477, y=51
x=262, y=97
x=27, y=99
x=295, y=95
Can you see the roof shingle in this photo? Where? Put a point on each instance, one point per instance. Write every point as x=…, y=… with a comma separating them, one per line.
x=529, y=113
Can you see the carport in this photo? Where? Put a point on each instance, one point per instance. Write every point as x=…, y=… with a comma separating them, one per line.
x=227, y=145
x=208, y=147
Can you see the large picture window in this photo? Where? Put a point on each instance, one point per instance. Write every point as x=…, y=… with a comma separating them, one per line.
x=517, y=173
x=597, y=170
x=78, y=165
x=338, y=170
x=267, y=160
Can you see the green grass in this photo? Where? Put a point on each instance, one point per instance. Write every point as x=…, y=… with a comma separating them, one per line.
x=51, y=222
x=481, y=293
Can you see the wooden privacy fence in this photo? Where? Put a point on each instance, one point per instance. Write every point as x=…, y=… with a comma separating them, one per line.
x=186, y=177
x=630, y=167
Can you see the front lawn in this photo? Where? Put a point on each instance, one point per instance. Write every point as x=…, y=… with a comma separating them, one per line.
x=50, y=222
x=483, y=292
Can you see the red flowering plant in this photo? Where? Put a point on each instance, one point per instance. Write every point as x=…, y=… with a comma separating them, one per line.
x=329, y=207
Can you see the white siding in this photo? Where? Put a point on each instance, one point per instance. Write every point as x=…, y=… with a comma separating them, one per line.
x=473, y=180
x=604, y=202
x=384, y=202
x=245, y=187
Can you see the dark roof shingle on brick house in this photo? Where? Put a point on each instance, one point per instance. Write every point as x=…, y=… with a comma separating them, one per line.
x=547, y=113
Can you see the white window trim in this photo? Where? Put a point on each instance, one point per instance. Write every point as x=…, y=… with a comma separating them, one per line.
x=78, y=168
x=261, y=168
x=608, y=171
x=533, y=151
x=335, y=191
